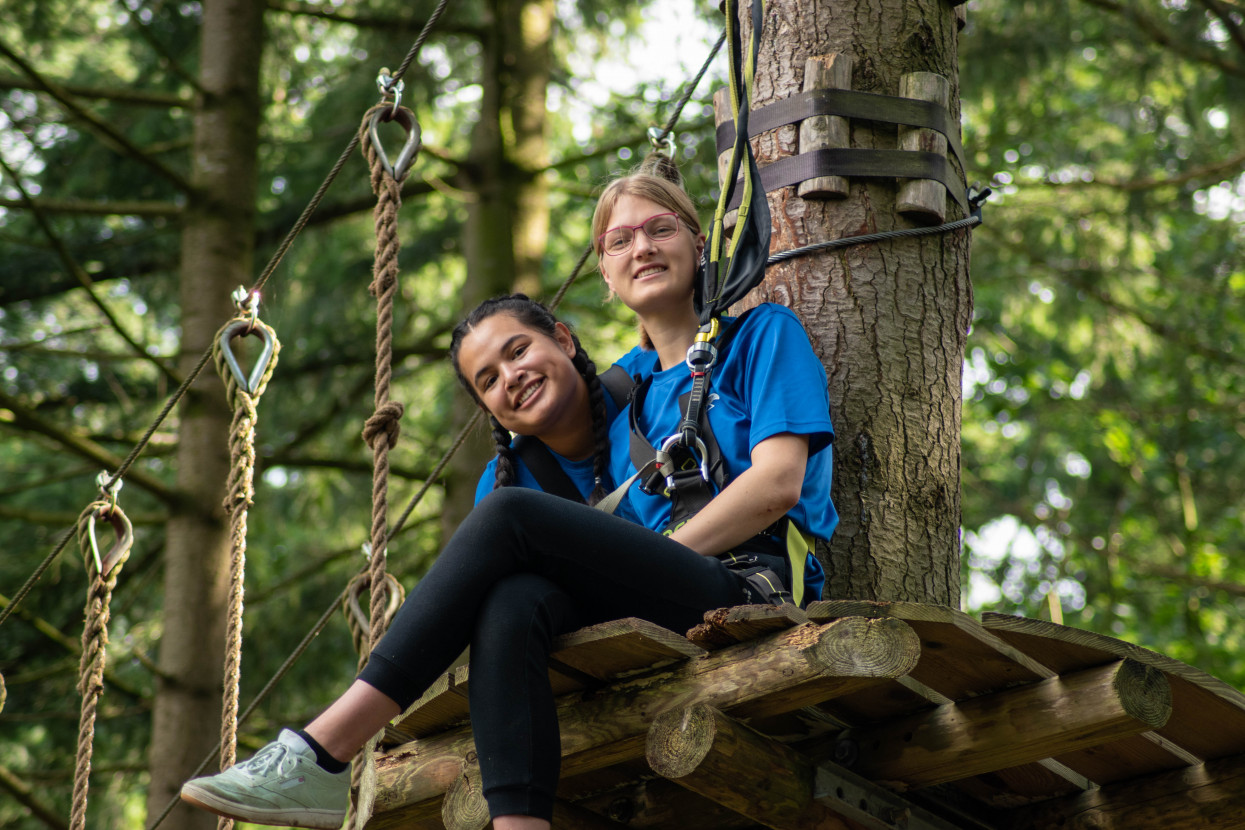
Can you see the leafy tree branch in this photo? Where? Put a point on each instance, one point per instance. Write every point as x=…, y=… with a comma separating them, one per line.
x=104, y=131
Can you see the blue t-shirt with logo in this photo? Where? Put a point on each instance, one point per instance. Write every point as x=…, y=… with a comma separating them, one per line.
x=766, y=382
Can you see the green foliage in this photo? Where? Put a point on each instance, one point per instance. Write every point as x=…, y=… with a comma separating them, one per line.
x=70, y=372
x=1104, y=385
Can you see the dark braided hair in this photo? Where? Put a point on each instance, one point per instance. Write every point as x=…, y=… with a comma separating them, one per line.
x=535, y=316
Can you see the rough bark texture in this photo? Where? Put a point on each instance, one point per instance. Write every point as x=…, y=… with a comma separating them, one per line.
x=508, y=221
x=888, y=320
x=216, y=258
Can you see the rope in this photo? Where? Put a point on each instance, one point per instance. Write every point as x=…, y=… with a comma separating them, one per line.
x=691, y=87
x=357, y=622
x=382, y=429
x=417, y=45
x=94, y=641
x=243, y=394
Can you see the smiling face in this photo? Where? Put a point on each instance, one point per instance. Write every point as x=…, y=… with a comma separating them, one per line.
x=524, y=377
x=652, y=277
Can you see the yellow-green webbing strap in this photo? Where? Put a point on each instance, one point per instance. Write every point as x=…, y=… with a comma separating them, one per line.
x=741, y=95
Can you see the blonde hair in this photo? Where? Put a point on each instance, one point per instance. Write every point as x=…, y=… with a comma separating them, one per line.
x=655, y=189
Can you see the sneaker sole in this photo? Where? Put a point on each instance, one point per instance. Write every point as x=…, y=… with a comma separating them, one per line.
x=314, y=819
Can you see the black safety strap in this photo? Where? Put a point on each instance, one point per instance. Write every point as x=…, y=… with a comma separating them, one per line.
x=848, y=103
x=545, y=468
x=618, y=383
x=912, y=164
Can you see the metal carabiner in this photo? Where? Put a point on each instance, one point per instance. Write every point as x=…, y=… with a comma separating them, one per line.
x=107, y=490
x=390, y=87
x=663, y=457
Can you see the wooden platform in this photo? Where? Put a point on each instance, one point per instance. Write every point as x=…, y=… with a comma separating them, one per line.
x=858, y=715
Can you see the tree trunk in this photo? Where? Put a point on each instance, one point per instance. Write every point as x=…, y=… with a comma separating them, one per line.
x=508, y=223
x=217, y=244
x=888, y=320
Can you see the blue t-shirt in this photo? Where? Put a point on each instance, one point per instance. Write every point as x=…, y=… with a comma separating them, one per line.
x=768, y=381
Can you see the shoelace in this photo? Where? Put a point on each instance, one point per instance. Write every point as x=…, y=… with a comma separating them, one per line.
x=273, y=755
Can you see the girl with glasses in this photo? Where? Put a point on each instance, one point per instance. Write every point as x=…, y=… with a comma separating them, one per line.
x=526, y=566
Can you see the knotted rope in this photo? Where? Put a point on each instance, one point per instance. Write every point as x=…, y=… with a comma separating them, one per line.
x=243, y=393
x=382, y=429
x=94, y=638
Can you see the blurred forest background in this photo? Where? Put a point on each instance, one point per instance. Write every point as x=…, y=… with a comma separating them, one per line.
x=1104, y=386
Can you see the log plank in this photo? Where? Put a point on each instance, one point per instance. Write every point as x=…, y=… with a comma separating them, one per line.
x=1208, y=715
x=1208, y=796
x=798, y=667
x=754, y=775
x=1016, y=726
x=959, y=658
x=613, y=649
x=739, y=624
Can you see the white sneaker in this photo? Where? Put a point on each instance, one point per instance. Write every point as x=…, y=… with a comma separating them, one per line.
x=281, y=786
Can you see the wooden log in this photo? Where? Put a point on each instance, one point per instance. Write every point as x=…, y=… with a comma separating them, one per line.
x=825, y=132
x=959, y=658
x=655, y=802
x=612, y=649
x=1016, y=726
x=721, y=114
x=795, y=668
x=1208, y=796
x=464, y=807
x=1208, y=715
x=568, y=816
x=923, y=200
x=750, y=773
x=726, y=626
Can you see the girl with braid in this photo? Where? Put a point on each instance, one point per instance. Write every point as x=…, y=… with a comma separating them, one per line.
x=525, y=566
x=524, y=367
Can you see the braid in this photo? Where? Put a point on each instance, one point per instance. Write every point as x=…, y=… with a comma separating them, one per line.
x=505, y=457
x=600, y=433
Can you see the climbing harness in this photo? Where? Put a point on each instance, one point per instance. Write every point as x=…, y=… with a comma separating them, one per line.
x=102, y=570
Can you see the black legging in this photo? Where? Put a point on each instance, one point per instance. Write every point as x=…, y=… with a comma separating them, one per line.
x=522, y=568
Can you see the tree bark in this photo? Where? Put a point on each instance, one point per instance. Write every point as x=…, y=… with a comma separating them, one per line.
x=216, y=258
x=508, y=221
x=889, y=320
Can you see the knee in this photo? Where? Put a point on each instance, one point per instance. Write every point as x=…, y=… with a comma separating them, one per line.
x=523, y=605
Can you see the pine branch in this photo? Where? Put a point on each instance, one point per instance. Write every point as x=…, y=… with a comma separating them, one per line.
x=105, y=132
x=138, y=97
x=1161, y=35
x=24, y=794
x=61, y=518
x=84, y=208
x=1206, y=175
x=72, y=647
x=1231, y=23
x=24, y=418
x=362, y=21
x=167, y=61
x=345, y=465
x=83, y=278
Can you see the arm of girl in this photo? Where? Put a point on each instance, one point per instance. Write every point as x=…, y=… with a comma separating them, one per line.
x=754, y=500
